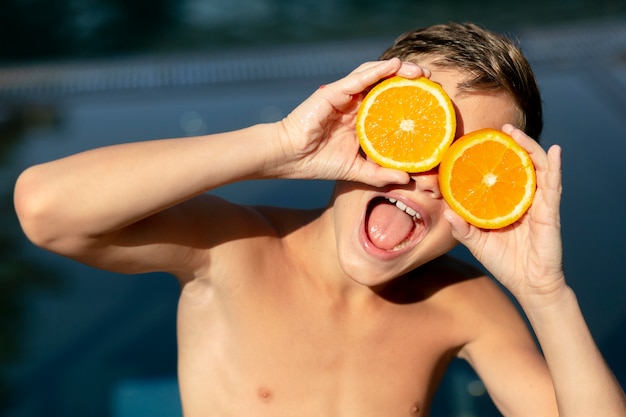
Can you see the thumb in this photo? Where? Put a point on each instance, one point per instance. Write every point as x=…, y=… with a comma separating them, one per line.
x=373, y=174
x=461, y=230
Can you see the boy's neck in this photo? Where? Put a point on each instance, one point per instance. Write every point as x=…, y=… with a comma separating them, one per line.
x=313, y=249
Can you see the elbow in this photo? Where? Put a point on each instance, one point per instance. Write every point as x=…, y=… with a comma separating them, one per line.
x=33, y=209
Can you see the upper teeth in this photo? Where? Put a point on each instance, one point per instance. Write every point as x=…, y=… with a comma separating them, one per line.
x=405, y=208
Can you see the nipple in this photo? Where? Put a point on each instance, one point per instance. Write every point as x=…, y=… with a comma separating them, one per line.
x=264, y=394
x=415, y=409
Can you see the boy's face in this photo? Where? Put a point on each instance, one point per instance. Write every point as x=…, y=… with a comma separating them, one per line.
x=385, y=232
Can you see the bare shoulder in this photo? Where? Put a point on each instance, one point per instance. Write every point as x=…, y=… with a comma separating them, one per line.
x=233, y=240
x=486, y=313
x=463, y=292
x=443, y=280
x=493, y=337
x=479, y=302
x=185, y=239
x=466, y=281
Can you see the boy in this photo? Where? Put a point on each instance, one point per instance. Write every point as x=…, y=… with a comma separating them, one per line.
x=291, y=312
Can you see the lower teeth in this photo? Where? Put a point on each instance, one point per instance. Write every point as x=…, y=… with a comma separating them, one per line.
x=401, y=245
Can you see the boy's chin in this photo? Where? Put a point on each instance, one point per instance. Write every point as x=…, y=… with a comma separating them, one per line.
x=369, y=275
x=372, y=282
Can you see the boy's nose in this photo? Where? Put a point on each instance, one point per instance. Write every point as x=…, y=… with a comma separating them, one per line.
x=428, y=182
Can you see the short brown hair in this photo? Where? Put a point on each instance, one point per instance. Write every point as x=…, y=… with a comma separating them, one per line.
x=493, y=62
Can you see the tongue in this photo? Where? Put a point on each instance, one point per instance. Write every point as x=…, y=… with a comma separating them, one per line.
x=387, y=226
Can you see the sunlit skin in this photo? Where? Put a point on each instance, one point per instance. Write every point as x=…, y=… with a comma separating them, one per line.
x=474, y=111
x=327, y=330
x=289, y=312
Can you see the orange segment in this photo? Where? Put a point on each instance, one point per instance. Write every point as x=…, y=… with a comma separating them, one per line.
x=406, y=124
x=487, y=178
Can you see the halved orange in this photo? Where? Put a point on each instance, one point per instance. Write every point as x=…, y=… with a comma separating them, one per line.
x=487, y=178
x=406, y=124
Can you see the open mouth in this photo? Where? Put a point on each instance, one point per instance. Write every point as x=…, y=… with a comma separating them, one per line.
x=391, y=225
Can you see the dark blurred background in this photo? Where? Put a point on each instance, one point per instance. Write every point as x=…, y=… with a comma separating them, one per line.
x=76, y=74
x=36, y=30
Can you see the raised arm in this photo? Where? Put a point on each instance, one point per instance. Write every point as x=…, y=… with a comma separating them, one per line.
x=527, y=259
x=86, y=206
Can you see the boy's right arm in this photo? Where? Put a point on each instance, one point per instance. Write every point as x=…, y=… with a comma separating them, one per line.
x=127, y=207
x=110, y=207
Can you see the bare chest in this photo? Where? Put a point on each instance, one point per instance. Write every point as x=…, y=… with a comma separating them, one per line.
x=280, y=353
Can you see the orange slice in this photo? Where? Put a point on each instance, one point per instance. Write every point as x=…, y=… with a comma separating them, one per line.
x=406, y=124
x=487, y=178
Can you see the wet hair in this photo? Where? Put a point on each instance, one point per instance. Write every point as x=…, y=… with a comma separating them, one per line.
x=492, y=61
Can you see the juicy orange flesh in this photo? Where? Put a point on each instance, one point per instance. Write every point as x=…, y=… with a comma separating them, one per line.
x=488, y=190
x=405, y=124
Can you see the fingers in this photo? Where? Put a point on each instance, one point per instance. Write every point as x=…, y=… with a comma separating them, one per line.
x=466, y=234
x=377, y=176
x=552, y=179
x=549, y=180
x=547, y=164
x=370, y=73
x=340, y=95
x=392, y=66
x=411, y=70
x=460, y=228
x=536, y=152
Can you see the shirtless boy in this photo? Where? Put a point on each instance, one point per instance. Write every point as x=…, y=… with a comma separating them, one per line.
x=305, y=313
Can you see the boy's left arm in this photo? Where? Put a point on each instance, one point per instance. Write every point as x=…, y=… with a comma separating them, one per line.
x=527, y=259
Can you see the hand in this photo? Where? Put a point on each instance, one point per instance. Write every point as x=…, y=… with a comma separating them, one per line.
x=525, y=257
x=318, y=138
